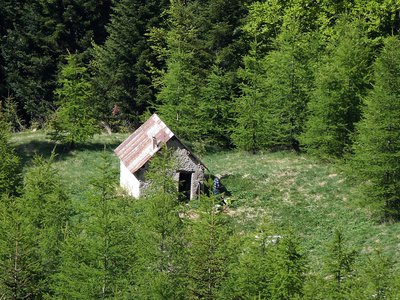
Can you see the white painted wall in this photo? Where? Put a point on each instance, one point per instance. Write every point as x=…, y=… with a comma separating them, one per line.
x=129, y=182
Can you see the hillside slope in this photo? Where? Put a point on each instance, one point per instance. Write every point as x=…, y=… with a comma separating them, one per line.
x=283, y=189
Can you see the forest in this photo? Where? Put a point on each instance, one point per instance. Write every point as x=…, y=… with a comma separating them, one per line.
x=272, y=80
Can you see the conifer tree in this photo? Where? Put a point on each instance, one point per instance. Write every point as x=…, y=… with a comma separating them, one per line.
x=208, y=250
x=29, y=52
x=35, y=37
x=215, y=107
x=377, y=145
x=19, y=263
x=270, y=267
x=160, y=241
x=250, y=129
x=121, y=72
x=341, y=83
x=288, y=83
x=9, y=162
x=74, y=121
x=179, y=94
x=340, y=264
x=98, y=255
x=377, y=277
x=32, y=233
x=339, y=276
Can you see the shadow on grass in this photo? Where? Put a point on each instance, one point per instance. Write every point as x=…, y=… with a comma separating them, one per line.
x=28, y=150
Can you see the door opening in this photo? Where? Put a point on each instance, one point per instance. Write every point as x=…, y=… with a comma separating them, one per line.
x=185, y=185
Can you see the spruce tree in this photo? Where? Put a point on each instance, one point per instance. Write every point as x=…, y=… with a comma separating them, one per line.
x=19, y=262
x=32, y=233
x=250, y=129
x=341, y=83
x=288, y=83
x=160, y=244
x=121, y=71
x=9, y=162
x=215, y=107
x=377, y=144
x=98, y=255
x=377, y=277
x=340, y=265
x=270, y=267
x=200, y=51
x=30, y=59
x=179, y=94
x=35, y=37
x=208, y=250
x=73, y=122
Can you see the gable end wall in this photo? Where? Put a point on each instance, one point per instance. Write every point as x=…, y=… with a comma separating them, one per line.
x=129, y=182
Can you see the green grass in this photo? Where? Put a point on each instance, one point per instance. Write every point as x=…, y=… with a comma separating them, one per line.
x=76, y=166
x=312, y=198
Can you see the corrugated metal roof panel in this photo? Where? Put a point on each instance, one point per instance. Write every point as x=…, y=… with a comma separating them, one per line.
x=138, y=148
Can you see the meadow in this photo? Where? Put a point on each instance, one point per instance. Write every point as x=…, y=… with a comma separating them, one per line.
x=283, y=190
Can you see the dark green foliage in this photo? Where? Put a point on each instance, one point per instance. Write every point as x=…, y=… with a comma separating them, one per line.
x=215, y=107
x=288, y=84
x=339, y=279
x=32, y=231
x=220, y=22
x=271, y=267
x=383, y=18
x=208, y=250
x=251, y=129
x=341, y=83
x=98, y=254
x=9, y=114
x=77, y=24
x=121, y=69
x=35, y=37
x=179, y=94
x=377, y=145
x=200, y=50
x=29, y=52
x=19, y=264
x=74, y=121
x=160, y=243
x=9, y=162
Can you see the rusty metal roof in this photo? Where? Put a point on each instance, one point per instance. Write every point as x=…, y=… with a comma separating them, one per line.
x=139, y=147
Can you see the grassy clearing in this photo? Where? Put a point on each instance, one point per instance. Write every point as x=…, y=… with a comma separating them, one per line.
x=77, y=166
x=298, y=192
x=284, y=189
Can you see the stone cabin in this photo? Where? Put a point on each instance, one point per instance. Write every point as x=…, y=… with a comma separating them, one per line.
x=138, y=149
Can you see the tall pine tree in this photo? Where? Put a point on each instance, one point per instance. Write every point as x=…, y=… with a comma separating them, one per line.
x=98, y=255
x=179, y=95
x=32, y=232
x=289, y=81
x=341, y=83
x=250, y=129
x=9, y=162
x=121, y=71
x=377, y=145
x=160, y=243
x=208, y=252
x=74, y=121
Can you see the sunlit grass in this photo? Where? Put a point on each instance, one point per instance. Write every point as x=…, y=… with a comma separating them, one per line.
x=285, y=189
x=310, y=197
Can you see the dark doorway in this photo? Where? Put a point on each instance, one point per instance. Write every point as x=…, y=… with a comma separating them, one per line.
x=185, y=184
